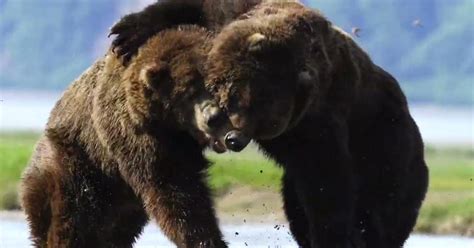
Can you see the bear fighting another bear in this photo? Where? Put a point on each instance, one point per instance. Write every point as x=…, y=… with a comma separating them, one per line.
x=276, y=72
x=124, y=144
x=339, y=125
x=313, y=100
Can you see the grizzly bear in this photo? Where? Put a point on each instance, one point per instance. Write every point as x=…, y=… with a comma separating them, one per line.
x=124, y=144
x=339, y=125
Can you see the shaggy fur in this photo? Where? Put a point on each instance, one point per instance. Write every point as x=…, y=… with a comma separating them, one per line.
x=338, y=124
x=120, y=146
x=134, y=29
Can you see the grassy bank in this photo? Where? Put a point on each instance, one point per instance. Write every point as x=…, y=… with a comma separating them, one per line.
x=15, y=151
x=449, y=207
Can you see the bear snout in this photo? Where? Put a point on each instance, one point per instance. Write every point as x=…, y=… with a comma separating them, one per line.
x=236, y=141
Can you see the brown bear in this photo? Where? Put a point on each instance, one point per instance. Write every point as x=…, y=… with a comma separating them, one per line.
x=134, y=29
x=126, y=143
x=337, y=123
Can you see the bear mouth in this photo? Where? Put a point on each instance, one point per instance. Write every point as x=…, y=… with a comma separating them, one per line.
x=217, y=145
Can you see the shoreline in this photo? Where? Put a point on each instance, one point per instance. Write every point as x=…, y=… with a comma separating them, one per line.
x=15, y=234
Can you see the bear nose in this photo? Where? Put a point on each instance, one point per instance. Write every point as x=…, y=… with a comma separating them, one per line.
x=236, y=141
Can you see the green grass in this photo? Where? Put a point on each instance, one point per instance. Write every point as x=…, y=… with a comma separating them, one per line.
x=451, y=170
x=449, y=206
x=15, y=151
x=245, y=168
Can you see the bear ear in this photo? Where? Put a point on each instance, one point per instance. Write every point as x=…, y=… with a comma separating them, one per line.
x=141, y=97
x=154, y=74
x=256, y=41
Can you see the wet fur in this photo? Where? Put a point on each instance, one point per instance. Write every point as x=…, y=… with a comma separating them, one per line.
x=119, y=149
x=353, y=157
x=134, y=29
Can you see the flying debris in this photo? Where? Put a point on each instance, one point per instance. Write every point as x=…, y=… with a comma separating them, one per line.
x=356, y=31
x=417, y=23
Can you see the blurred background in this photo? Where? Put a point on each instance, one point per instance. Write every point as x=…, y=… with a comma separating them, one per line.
x=428, y=45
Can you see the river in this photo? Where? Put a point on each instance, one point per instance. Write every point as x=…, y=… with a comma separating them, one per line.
x=14, y=233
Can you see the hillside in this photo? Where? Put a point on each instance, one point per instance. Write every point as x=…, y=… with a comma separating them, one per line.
x=427, y=44
x=46, y=44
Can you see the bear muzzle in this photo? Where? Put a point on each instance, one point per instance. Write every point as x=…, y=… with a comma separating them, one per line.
x=236, y=141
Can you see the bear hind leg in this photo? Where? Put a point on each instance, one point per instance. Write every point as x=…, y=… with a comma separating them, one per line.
x=396, y=180
x=399, y=215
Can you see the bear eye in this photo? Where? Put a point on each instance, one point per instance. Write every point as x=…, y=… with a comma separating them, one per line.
x=216, y=120
x=233, y=105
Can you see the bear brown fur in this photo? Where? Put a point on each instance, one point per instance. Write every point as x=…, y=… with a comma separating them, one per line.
x=134, y=29
x=337, y=123
x=124, y=144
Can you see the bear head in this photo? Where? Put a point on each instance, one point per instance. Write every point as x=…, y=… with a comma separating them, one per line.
x=165, y=85
x=260, y=70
